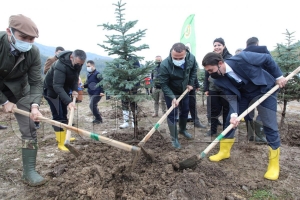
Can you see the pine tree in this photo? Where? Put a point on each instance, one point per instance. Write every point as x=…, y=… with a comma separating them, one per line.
x=287, y=57
x=123, y=77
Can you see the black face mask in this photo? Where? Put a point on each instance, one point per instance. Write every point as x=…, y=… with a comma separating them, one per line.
x=77, y=66
x=216, y=75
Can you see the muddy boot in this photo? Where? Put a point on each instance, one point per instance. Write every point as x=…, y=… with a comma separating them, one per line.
x=30, y=176
x=182, y=128
x=60, y=138
x=260, y=137
x=126, y=119
x=224, y=152
x=198, y=124
x=273, y=167
x=174, y=135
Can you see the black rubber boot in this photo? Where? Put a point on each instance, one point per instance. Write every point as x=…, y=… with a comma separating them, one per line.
x=260, y=137
x=174, y=135
x=182, y=128
x=30, y=176
x=198, y=124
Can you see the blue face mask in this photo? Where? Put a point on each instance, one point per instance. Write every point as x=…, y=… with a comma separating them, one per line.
x=20, y=45
x=179, y=62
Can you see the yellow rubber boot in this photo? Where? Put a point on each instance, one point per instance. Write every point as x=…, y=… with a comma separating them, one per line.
x=60, y=138
x=224, y=152
x=273, y=167
x=72, y=138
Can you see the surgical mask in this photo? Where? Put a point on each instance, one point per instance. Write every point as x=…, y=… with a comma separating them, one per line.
x=216, y=75
x=19, y=44
x=179, y=62
x=89, y=69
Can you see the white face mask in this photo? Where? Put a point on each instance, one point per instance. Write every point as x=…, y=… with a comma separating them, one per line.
x=19, y=44
x=89, y=69
x=178, y=62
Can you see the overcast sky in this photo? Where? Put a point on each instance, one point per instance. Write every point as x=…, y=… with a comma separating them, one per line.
x=73, y=24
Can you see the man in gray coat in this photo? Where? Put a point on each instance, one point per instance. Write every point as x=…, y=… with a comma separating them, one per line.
x=21, y=86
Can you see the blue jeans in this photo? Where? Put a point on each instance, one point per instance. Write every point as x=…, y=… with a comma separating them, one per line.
x=58, y=109
x=267, y=111
x=94, y=100
x=183, y=106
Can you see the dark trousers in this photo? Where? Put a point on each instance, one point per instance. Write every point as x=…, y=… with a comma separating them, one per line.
x=58, y=109
x=267, y=111
x=183, y=106
x=216, y=104
x=94, y=100
x=193, y=105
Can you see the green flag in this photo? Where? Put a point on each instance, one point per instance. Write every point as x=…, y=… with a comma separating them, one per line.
x=188, y=36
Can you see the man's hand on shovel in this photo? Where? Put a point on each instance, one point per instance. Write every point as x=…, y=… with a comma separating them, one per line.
x=72, y=105
x=8, y=107
x=35, y=113
x=74, y=94
x=281, y=82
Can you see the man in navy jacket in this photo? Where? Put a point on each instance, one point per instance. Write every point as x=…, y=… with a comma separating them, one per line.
x=259, y=137
x=244, y=78
x=94, y=92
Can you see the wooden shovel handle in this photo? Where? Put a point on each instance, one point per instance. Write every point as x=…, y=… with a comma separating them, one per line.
x=68, y=135
x=82, y=132
x=155, y=127
x=252, y=107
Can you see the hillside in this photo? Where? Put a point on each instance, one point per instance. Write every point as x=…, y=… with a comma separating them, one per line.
x=47, y=51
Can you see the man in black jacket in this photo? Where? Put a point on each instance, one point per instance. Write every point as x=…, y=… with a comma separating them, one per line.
x=60, y=79
x=95, y=93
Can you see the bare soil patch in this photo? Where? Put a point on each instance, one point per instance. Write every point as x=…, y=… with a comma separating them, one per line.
x=101, y=172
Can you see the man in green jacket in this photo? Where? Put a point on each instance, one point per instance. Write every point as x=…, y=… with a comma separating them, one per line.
x=178, y=73
x=21, y=86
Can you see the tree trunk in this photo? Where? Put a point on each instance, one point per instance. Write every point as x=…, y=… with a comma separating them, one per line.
x=134, y=110
x=284, y=108
x=283, y=112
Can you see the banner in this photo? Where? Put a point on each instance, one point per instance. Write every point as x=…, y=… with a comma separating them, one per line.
x=188, y=36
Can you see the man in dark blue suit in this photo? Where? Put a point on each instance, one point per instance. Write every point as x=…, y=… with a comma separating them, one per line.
x=255, y=125
x=244, y=78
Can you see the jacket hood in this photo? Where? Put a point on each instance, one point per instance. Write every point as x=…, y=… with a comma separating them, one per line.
x=64, y=57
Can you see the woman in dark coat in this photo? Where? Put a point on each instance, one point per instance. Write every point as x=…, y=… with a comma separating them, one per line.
x=216, y=104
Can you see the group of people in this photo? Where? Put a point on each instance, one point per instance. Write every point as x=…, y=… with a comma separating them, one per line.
x=239, y=79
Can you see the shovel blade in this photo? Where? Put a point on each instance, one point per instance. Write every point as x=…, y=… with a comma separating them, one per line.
x=188, y=163
x=73, y=150
x=149, y=155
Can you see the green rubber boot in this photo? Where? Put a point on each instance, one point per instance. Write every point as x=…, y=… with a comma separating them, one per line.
x=182, y=128
x=174, y=135
x=30, y=176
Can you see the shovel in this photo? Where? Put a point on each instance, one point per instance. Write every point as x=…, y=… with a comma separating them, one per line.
x=154, y=128
x=82, y=132
x=192, y=161
x=67, y=144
